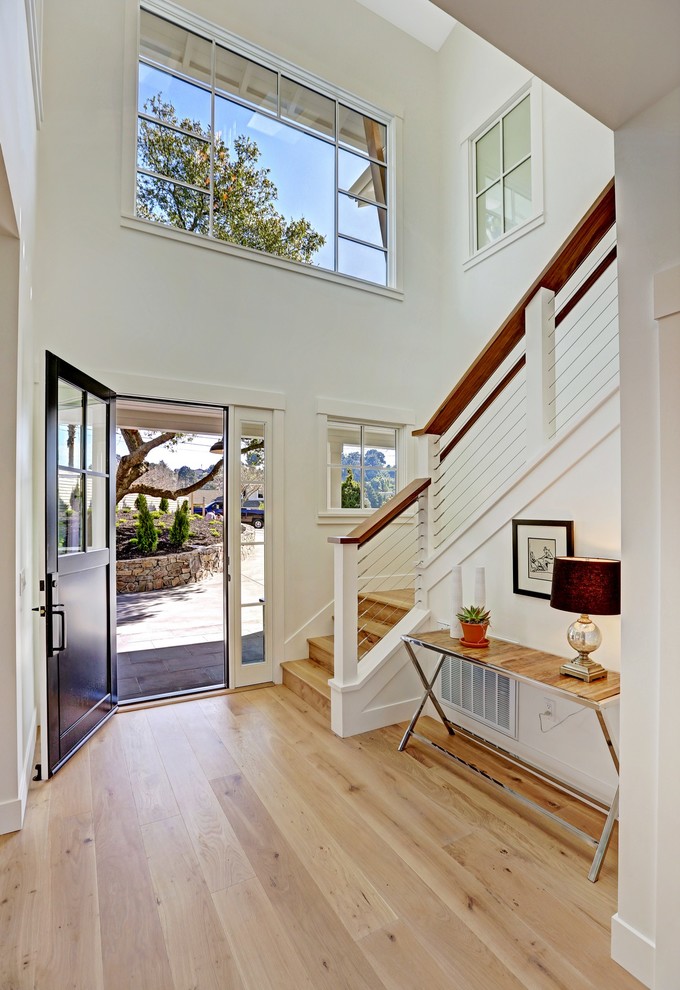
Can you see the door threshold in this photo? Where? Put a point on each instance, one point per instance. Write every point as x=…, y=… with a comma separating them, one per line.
x=175, y=699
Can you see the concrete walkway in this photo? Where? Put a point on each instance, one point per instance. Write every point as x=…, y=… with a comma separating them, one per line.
x=173, y=640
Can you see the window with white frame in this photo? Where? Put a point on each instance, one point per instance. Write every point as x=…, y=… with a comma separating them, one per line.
x=361, y=464
x=503, y=175
x=235, y=145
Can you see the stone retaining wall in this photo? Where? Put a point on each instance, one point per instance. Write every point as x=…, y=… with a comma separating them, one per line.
x=169, y=571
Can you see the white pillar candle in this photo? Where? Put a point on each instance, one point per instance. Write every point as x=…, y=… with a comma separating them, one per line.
x=480, y=586
x=456, y=600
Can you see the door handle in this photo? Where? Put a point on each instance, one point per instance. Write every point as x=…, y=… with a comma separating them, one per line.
x=59, y=610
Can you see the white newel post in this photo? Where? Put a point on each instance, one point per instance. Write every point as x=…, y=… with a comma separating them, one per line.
x=346, y=613
x=540, y=342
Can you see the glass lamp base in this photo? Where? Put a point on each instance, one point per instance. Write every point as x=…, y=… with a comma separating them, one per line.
x=584, y=637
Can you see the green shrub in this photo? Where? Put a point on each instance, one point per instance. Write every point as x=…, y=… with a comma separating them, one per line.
x=350, y=492
x=181, y=527
x=163, y=505
x=147, y=535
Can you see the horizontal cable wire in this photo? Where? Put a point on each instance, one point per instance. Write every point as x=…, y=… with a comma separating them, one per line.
x=600, y=388
x=583, y=315
x=584, y=331
x=453, y=514
x=478, y=436
x=451, y=491
x=579, y=370
x=456, y=521
x=595, y=257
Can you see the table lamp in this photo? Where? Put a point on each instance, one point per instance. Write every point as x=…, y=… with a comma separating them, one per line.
x=585, y=585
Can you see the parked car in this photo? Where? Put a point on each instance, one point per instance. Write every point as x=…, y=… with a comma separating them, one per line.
x=252, y=511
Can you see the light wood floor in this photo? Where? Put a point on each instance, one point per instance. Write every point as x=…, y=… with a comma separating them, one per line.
x=234, y=842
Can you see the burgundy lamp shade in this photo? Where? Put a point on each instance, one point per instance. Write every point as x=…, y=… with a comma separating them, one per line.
x=591, y=585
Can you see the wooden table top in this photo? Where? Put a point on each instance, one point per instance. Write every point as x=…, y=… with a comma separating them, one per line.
x=524, y=664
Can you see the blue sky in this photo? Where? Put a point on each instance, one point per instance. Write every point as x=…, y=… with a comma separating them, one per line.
x=301, y=166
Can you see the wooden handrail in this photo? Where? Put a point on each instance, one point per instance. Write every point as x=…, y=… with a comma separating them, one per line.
x=586, y=285
x=378, y=520
x=583, y=239
x=478, y=413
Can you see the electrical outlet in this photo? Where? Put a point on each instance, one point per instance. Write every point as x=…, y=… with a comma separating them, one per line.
x=442, y=624
x=549, y=710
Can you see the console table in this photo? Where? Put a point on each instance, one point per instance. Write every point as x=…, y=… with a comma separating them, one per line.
x=540, y=670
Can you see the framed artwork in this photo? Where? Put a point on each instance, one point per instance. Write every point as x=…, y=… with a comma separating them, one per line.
x=535, y=544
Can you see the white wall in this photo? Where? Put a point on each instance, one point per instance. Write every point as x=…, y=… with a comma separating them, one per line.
x=17, y=217
x=648, y=194
x=113, y=300
x=578, y=161
x=588, y=493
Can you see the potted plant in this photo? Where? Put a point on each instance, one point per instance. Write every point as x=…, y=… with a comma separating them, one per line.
x=475, y=620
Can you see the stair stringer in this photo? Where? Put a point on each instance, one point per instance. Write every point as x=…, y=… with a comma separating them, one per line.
x=387, y=689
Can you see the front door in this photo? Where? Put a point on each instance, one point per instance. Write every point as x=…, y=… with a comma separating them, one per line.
x=80, y=558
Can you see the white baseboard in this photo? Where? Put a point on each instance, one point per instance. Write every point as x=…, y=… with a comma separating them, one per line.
x=633, y=951
x=12, y=812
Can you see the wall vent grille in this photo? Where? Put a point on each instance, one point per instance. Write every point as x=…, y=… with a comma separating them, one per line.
x=480, y=693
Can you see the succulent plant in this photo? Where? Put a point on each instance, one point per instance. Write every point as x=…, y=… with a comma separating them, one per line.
x=474, y=615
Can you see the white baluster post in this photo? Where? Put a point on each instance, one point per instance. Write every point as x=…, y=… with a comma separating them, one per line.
x=540, y=372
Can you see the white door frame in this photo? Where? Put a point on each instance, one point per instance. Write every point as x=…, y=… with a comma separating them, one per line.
x=240, y=674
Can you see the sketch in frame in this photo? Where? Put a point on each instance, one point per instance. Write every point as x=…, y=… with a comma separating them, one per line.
x=535, y=544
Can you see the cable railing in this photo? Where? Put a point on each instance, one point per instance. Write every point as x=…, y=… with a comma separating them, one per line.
x=376, y=574
x=553, y=359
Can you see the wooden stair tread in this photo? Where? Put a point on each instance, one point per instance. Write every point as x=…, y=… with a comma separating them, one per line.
x=372, y=627
x=399, y=598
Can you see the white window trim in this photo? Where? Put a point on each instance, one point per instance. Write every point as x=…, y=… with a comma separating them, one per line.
x=210, y=30
x=534, y=89
x=401, y=420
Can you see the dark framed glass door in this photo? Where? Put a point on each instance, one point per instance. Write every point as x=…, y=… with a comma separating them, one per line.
x=80, y=558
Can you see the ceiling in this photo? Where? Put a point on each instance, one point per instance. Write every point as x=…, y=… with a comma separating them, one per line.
x=614, y=58
x=421, y=19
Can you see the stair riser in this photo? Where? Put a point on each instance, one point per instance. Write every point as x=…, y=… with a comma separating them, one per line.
x=321, y=656
x=306, y=692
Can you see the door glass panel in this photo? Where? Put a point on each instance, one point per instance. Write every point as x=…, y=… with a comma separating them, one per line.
x=70, y=425
x=252, y=487
x=516, y=135
x=95, y=528
x=69, y=512
x=96, y=435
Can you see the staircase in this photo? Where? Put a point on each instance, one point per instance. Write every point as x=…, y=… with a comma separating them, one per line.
x=378, y=613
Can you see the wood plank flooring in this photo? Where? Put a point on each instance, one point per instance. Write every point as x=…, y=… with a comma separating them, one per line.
x=235, y=843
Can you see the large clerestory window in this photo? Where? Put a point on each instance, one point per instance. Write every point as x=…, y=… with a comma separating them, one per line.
x=239, y=149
